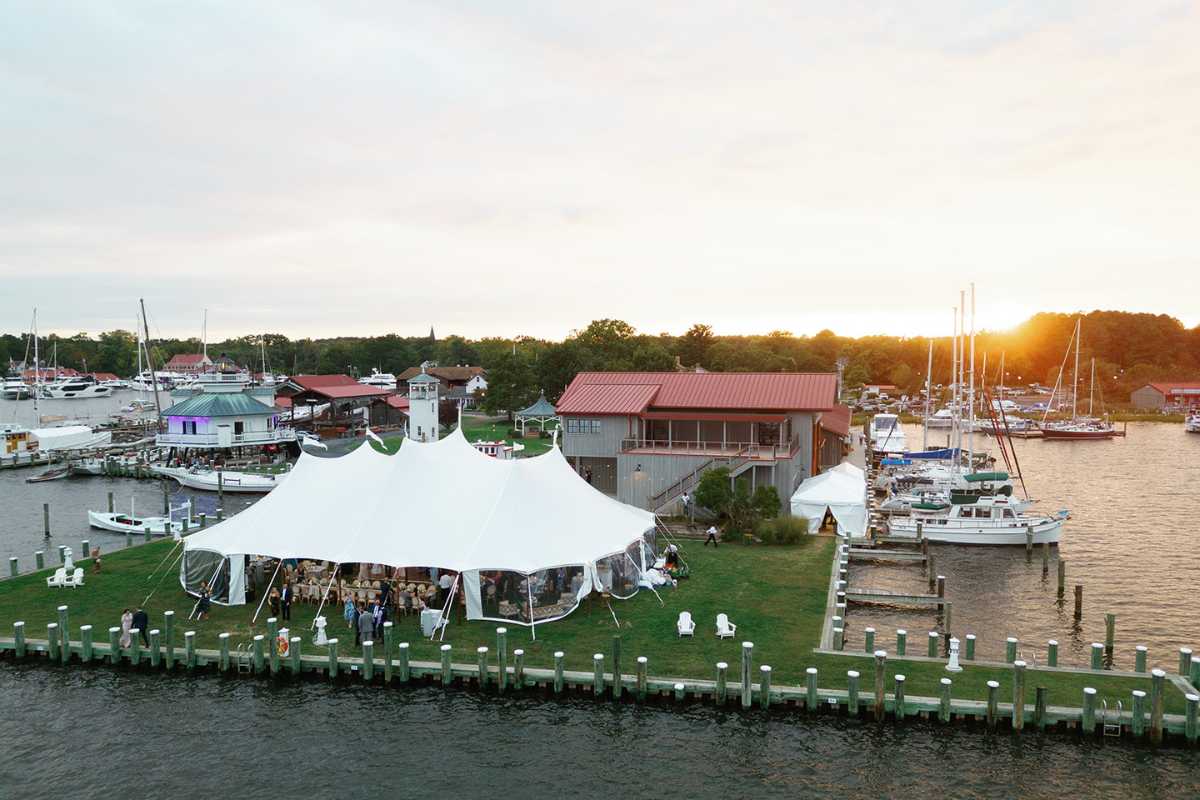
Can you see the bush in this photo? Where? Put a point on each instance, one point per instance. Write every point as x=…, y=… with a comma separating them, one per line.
x=783, y=531
x=512, y=433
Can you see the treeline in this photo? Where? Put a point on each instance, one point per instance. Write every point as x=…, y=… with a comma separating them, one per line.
x=1129, y=350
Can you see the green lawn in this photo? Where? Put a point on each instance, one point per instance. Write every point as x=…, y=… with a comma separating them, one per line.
x=776, y=596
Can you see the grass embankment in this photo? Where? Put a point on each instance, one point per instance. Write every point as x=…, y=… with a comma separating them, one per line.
x=776, y=596
x=488, y=431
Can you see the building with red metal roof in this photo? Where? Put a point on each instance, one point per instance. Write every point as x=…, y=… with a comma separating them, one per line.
x=649, y=436
x=1173, y=395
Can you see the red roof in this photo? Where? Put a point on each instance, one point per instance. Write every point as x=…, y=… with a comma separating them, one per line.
x=313, y=381
x=187, y=359
x=355, y=389
x=1166, y=387
x=837, y=421
x=283, y=402
x=634, y=392
x=398, y=402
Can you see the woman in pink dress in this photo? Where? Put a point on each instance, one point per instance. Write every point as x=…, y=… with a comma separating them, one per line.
x=126, y=625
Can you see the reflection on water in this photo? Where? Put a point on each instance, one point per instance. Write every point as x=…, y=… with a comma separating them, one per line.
x=1130, y=541
x=121, y=734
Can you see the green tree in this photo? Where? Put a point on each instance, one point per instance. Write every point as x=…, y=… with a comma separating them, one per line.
x=734, y=502
x=511, y=386
x=557, y=367
x=692, y=347
x=455, y=351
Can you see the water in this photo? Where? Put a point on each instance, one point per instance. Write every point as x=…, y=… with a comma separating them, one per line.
x=1131, y=541
x=116, y=734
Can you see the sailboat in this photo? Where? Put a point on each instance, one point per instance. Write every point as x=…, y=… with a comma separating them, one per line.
x=1078, y=428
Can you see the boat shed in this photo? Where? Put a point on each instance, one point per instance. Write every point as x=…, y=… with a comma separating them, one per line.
x=1167, y=395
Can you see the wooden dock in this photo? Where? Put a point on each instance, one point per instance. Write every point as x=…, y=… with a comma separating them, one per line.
x=873, y=554
x=893, y=598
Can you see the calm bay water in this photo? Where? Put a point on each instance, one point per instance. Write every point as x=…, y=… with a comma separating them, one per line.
x=1130, y=542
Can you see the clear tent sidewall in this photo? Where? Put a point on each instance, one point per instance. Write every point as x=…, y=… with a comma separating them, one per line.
x=225, y=575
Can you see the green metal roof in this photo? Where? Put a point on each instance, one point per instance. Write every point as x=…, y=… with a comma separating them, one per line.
x=220, y=405
x=541, y=408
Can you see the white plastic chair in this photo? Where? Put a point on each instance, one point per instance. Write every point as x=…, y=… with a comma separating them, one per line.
x=75, y=579
x=725, y=628
x=685, y=624
x=59, y=578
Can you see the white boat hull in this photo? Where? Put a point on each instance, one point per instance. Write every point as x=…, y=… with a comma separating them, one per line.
x=962, y=531
x=237, y=482
x=77, y=392
x=123, y=523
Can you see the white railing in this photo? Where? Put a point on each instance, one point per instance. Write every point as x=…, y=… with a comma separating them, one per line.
x=212, y=440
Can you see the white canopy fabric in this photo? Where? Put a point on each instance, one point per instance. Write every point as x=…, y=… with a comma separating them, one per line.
x=69, y=437
x=438, y=504
x=843, y=492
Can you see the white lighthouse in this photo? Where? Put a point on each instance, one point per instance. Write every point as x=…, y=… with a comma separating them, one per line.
x=423, y=408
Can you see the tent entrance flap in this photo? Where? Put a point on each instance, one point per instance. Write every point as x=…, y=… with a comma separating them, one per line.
x=225, y=576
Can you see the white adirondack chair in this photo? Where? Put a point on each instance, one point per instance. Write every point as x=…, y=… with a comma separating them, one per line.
x=75, y=579
x=725, y=628
x=685, y=624
x=59, y=578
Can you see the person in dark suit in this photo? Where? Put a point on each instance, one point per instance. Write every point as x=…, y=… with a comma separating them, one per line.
x=141, y=621
x=285, y=602
x=365, y=630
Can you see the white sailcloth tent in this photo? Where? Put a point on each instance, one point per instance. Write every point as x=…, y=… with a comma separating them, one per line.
x=440, y=504
x=842, y=491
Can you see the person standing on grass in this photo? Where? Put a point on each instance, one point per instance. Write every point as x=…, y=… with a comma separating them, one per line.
x=712, y=536
x=366, y=625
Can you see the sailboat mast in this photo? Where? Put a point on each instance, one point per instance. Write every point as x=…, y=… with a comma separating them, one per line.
x=153, y=377
x=954, y=380
x=37, y=371
x=1092, y=388
x=1075, y=385
x=971, y=433
x=928, y=390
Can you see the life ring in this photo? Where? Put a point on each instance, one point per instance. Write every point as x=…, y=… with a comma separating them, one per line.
x=281, y=645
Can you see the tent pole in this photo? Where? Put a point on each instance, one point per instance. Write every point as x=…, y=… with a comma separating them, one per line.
x=220, y=567
x=264, y=598
x=320, y=605
x=444, y=617
x=529, y=601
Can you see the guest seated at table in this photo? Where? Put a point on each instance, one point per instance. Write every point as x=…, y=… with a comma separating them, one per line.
x=301, y=574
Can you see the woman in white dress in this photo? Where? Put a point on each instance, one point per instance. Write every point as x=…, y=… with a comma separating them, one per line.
x=126, y=625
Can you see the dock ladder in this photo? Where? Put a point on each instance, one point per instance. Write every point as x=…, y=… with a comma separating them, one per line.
x=243, y=658
x=1110, y=727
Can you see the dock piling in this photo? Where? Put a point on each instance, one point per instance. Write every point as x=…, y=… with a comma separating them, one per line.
x=933, y=644
x=1078, y=600
x=1138, y=728
x=1097, y=655
x=747, y=675
x=12, y=566
x=259, y=664
x=597, y=674
x=970, y=653
x=224, y=639
x=388, y=636
x=1088, y=723
x=114, y=645
x=641, y=677
x=810, y=698
x=128, y=539
x=722, y=687
x=901, y=641
x=85, y=643
x=368, y=664
x=1139, y=658
x=446, y=669
x=1157, y=678
x=900, y=698
x=1010, y=650
x=1052, y=653
x=273, y=638
x=558, y=672
x=993, y=703
x=135, y=647
x=1110, y=631
x=502, y=657
x=852, y=692
x=46, y=518
x=110, y=503
x=949, y=617
x=333, y=657
x=839, y=638
x=1018, y=720
x=1191, y=723
x=155, y=648
x=52, y=640
x=19, y=638
x=481, y=666
x=880, y=685
x=405, y=671
x=1194, y=679
x=39, y=559
x=64, y=632
x=869, y=640
x=679, y=687
x=1039, y=708
x=169, y=628
x=1185, y=659
x=1045, y=558
x=518, y=669
x=294, y=655
x=944, y=705
x=189, y=649
x=764, y=686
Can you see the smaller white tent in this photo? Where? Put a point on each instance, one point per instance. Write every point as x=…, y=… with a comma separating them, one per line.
x=843, y=492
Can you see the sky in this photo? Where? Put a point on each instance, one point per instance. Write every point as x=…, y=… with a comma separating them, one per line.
x=522, y=168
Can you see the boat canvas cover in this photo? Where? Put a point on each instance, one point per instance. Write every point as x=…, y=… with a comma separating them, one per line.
x=438, y=504
x=936, y=455
x=842, y=492
x=69, y=437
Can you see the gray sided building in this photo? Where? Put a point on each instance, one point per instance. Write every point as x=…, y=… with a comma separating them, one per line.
x=647, y=437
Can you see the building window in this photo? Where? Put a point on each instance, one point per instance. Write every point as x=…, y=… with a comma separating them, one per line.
x=583, y=426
